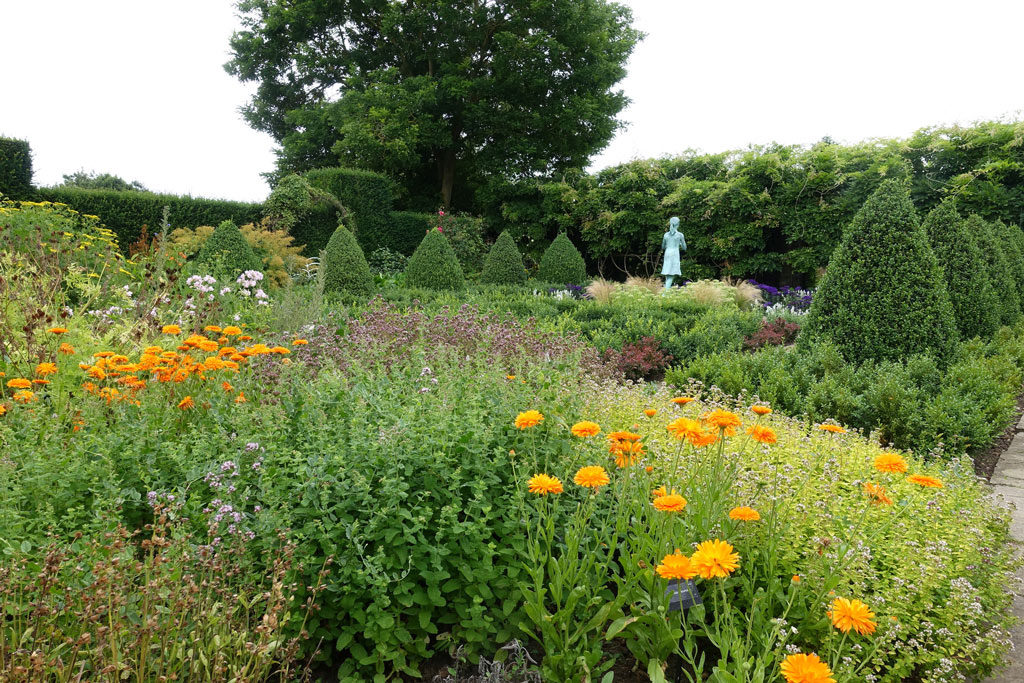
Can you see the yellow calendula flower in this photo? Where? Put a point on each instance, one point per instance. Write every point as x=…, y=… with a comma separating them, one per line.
x=529, y=418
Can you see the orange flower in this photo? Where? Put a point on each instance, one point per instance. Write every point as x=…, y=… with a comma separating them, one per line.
x=510, y=376
x=671, y=502
x=702, y=438
x=744, y=514
x=592, y=476
x=529, y=418
x=650, y=412
x=241, y=398
x=681, y=400
x=66, y=349
x=796, y=578
x=623, y=436
x=227, y=387
x=676, y=566
x=153, y=350
x=761, y=410
x=231, y=331
x=212, y=328
x=877, y=494
x=208, y=345
x=24, y=396
x=245, y=337
x=835, y=429
x=683, y=427
x=649, y=469
x=542, y=484
x=58, y=330
x=852, y=614
x=19, y=383
x=763, y=434
x=187, y=403
x=891, y=463
x=300, y=342
x=715, y=559
x=281, y=350
x=626, y=452
x=40, y=381
x=585, y=429
x=3, y=409
x=924, y=480
x=723, y=420
x=103, y=354
x=44, y=369
x=801, y=668
x=170, y=329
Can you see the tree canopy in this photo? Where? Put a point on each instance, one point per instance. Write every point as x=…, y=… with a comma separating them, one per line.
x=442, y=95
x=100, y=181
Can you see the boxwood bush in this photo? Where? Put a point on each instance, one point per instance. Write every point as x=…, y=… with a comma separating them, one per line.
x=345, y=266
x=504, y=264
x=228, y=251
x=1000, y=272
x=15, y=169
x=434, y=265
x=563, y=263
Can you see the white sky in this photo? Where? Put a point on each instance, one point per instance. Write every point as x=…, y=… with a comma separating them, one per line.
x=136, y=87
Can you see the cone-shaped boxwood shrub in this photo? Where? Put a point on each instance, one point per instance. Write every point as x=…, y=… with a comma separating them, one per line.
x=504, y=265
x=1008, y=237
x=562, y=263
x=345, y=267
x=999, y=271
x=434, y=265
x=883, y=295
x=970, y=290
x=228, y=249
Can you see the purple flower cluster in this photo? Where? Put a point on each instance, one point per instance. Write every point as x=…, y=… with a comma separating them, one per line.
x=794, y=297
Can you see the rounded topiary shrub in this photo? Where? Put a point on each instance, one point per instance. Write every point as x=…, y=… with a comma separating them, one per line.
x=434, y=265
x=883, y=295
x=345, y=267
x=504, y=264
x=562, y=263
x=970, y=290
x=227, y=248
x=999, y=270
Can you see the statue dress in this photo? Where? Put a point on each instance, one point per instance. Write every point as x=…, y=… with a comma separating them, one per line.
x=672, y=242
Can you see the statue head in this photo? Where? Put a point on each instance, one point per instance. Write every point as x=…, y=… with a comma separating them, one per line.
x=673, y=223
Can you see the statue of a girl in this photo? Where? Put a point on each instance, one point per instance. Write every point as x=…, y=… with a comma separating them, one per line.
x=672, y=242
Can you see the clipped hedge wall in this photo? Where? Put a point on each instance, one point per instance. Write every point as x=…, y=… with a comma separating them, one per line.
x=406, y=230
x=367, y=196
x=126, y=212
x=15, y=169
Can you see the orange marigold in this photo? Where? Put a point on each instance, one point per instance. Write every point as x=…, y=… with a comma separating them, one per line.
x=592, y=476
x=170, y=329
x=650, y=412
x=877, y=494
x=40, y=381
x=543, y=484
x=245, y=337
x=19, y=383
x=284, y=351
x=835, y=429
x=801, y=668
x=626, y=452
x=44, y=369
x=300, y=342
x=66, y=349
x=231, y=331
x=852, y=614
x=744, y=514
x=623, y=435
x=763, y=434
x=529, y=418
x=681, y=400
x=671, y=502
x=891, y=463
x=24, y=396
x=723, y=420
x=103, y=354
x=761, y=410
x=925, y=480
x=58, y=330
x=187, y=403
x=702, y=438
x=585, y=429
x=683, y=427
x=241, y=398
x=715, y=559
x=227, y=388
x=212, y=328
x=676, y=566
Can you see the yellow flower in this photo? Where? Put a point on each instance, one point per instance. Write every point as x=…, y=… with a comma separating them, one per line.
x=924, y=480
x=891, y=463
x=592, y=476
x=529, y=418
x=671, y=502
x=681, y=400
x=762, y=434
x=744, y=514
x=715, y=559
x=852, y=614
x=585, y=429
x=676, y=566
x=801, y=668
x=170, y=329
x=835, y=429
x=542, y=484
x=761, y=410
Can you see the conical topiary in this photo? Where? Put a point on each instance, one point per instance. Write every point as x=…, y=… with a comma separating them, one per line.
x=227, y=248
x=434, y=265
x=504, y=264
x=345, y=267
x=562, y=263
x=1010, y=239
x=883, y=295
x=970, y=290
x=999, y=272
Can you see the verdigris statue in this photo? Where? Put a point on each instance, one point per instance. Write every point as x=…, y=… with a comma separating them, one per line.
x=671, y=243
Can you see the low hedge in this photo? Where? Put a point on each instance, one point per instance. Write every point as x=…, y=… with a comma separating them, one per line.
x=126, y=212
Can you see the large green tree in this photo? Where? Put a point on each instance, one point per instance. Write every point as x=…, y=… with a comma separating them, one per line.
x=440, y=94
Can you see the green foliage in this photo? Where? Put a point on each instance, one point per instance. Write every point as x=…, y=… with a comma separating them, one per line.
x=409, y=109
x=434, y=265
x=971, y=294
x=562, y=263
x=1011, y=240
x=15, y=169
x=387, y=262
x=226, y=248
x=1001, y=272
x=504, y=264
x=308, y=213
x=883, y=295
x=465, y=234
x=100, y=181
x=405, y=230
x=126, y=212
x=367, y=197
x=345, y=267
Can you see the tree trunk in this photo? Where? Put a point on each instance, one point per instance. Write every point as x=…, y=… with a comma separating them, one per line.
x=447, y=177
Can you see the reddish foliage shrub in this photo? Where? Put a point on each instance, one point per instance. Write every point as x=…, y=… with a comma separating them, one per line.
x=778, y=332
x=642, y=359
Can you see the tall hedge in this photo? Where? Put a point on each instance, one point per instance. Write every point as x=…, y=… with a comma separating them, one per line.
x=434, y=265
x=126, y=212
x=999, y=271
x=310, y=215
x=562, y=263
x=504, y=264
x=15, y=169
x=1009, y=237
x=883, y=295
x=367, y=196
x=405, y=230
x=344, y=264
x=228, y=248
x=970, y=290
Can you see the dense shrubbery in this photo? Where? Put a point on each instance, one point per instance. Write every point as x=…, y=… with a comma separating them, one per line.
x=368, y=196
x=227, y=251
x=15, y=169
x=308, y=213
x=504, y=264
x=1001, y=271
x=344, y=265
x=434, y=265
x=562, y=263
x=280, y=259
x=405, y=230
